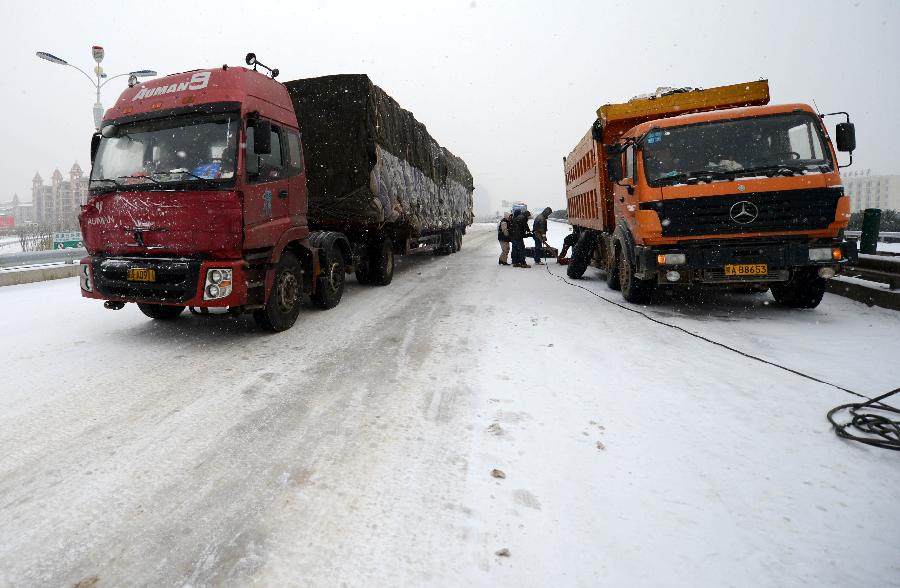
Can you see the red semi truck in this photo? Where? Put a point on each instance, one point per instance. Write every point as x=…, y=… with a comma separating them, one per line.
x=203, y=196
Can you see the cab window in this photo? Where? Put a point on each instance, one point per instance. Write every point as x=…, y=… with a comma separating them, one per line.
x=270, y=167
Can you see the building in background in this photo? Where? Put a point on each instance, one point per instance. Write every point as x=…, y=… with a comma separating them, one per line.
x=58, y=203
x=20, y=213
x=867, y=190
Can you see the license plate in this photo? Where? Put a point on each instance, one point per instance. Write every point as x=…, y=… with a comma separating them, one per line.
x=747, y=269
x=141, y=274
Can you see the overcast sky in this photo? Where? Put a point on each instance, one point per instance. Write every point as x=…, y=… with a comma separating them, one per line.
x=508, y=86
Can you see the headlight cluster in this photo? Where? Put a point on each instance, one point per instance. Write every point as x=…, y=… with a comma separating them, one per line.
x=825, y=254
x=86, y=283
x=218, y=284
x=671, y=259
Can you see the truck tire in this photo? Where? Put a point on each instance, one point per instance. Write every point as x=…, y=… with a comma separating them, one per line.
x=161, y=312
x=634, y=290
x=804, y=290
x=611, y=266
x=330, y=285
x=381, y=263
x=451, y=241
x=283, y=305
x=581, y=256
x=363, y=271
x=458, y=235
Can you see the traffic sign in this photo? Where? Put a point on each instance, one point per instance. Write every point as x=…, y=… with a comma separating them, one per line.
x=67, y=240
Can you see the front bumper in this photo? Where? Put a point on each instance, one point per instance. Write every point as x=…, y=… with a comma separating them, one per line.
x=705, y=262
x=178, y=281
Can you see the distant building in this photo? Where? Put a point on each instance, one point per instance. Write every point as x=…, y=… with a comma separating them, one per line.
x=59, y=202
x=16, y=213
x=871, y=191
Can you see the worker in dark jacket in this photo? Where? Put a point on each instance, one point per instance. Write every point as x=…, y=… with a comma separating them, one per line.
x=539, y=229
x=518, y=230
x=503, y=237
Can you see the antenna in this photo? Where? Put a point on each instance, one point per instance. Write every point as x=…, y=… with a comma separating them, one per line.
x=251, y=60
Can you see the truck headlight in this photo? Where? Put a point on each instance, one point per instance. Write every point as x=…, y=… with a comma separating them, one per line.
x=87, y=284
x=820, y=254
x=218, y=284
x=671, y=259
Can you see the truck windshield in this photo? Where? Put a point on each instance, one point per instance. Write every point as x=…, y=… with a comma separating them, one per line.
x=782, y=144
x=175, y=153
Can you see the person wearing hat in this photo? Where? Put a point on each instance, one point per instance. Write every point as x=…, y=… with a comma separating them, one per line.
x=539, y=230
x=518, y=230
x=503, y=237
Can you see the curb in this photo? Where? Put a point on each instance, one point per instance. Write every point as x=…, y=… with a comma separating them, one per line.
x=39, y=274
x=867, y=295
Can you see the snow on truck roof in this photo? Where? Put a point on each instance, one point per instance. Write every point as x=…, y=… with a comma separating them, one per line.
x=616, y=119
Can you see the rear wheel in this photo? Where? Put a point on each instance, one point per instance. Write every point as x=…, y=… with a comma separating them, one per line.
x=381, y=263
x=283, y=304
x=804, y=290
x=161, y=312
x=581, y=256
x=330, y=285
x=634, y=289
x=611, y=266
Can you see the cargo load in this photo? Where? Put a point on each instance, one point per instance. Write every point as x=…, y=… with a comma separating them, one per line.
x=371, y=163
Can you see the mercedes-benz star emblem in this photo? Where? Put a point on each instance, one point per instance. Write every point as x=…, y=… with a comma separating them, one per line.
x=744, y=212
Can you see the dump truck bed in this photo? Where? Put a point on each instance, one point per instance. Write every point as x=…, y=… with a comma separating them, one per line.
x=370, y=162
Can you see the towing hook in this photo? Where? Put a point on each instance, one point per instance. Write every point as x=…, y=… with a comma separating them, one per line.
x=113, y=305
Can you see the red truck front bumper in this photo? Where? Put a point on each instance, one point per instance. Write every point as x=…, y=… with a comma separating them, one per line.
x=165, y=280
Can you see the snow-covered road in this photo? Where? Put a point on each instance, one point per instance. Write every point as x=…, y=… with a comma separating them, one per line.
x=358, y=446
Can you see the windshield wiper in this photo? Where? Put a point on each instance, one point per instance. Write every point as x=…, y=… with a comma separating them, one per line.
x=187, y=173
x=147, y=177
x=780, y=168
x=696, y=176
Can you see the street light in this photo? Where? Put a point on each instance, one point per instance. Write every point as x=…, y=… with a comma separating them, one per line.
x=98, y=54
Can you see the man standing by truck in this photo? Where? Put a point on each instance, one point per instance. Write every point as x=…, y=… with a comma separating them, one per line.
x=517, y=232
x=539, y=230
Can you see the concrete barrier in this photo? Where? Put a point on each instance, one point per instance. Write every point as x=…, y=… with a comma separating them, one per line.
x=27, y=276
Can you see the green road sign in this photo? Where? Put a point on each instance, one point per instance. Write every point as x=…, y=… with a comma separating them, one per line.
x=67, y=240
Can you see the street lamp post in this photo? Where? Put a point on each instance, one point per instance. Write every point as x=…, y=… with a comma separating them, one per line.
x=98, y=54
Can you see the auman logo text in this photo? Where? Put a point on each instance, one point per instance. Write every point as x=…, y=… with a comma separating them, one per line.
x=198, y=81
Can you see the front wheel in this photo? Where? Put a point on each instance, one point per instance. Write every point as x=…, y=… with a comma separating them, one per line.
x=161, y=312
x=283, y=305
x=634, y=289
x=804, y=290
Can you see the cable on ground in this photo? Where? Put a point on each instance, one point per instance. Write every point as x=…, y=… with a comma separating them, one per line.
x=881, y=430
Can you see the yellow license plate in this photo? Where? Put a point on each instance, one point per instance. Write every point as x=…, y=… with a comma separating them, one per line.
x=747, y=269
x=141, y=274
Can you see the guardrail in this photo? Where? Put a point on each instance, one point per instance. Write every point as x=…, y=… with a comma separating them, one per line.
x=883, y=237
x=28, y=258
x=877, y=268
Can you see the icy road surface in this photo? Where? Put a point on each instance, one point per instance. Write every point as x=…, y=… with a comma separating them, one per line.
x=358, y=447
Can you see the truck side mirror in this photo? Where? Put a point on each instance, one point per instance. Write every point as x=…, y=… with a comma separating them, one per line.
x=596, y=131
x=95, y=144
x=262, y=137
x=846, y=137
x=614, y=168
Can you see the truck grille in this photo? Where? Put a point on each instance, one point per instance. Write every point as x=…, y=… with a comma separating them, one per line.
x=176, y=278
x=789, y=210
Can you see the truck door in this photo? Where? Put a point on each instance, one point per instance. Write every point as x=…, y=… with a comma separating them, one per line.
x=267, y=193
x=624, y=190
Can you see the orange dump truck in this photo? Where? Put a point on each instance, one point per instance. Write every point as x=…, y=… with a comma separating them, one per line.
x=710, y=187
